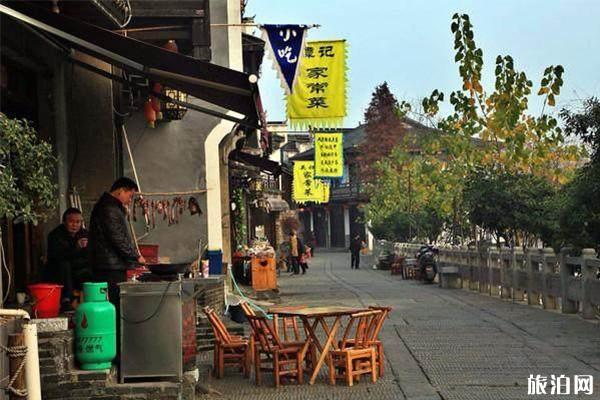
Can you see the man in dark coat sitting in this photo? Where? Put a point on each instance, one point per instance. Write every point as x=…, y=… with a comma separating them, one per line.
x=67, y=255
x=112, y=250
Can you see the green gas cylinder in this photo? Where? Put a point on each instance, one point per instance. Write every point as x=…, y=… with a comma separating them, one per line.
x=95, y=328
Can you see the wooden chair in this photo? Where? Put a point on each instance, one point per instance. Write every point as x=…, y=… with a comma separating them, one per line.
x=286, y=358
x=230, y=350
x=374, y=340
x=289, y=327
x=287, y=323
x=360, y=358
x=247, y=309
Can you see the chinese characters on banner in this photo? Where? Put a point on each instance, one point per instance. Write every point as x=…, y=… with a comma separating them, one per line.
x=325, y=192
x=286, y=43
x=306, y=187
x=329, y=155
x=319, y=96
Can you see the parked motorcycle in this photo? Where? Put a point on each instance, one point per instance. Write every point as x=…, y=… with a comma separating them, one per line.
x=427, y=263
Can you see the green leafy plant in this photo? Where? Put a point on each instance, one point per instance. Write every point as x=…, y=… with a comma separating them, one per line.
x=578, y=207
x=514, y=207
x=240, y=229
x=27, y=190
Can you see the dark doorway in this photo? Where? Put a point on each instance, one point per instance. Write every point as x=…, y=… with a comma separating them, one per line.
x=304, y=217
x=336, y=215
x=320, y=224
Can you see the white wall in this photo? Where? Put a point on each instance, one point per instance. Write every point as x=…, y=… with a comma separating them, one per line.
x=226, y=45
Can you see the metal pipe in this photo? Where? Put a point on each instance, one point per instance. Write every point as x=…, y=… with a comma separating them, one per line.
x=257, y=25
x=15, y=313
x=197, y=81
x=150, y=29
x=32, y=361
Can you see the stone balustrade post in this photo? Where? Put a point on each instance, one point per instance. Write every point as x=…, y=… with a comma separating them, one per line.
x=485, y=268
x=518, y=292
x=533, y=298
x=549, y=301
x=505, y=271
x=495, y=264
x=568, y=306
x=473, y=260
x=587, y=309
x=462, y=259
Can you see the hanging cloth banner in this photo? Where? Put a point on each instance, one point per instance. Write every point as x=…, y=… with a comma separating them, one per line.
x=319, y=97
x=286, y=43
x=323, y=191
x=305, y=187
x=329, y=155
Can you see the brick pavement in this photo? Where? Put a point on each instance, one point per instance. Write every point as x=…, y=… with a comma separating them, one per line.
x=439, y=344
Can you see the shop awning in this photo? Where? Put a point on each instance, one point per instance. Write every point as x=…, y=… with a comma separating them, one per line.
x=263, y=163
x=276, y=204
x=224, y=87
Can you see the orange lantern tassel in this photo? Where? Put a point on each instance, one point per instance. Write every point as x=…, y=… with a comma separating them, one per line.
x=150, y=114
x=157, y=88
x=156, y=107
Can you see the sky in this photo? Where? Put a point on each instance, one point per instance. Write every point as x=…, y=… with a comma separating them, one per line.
x=409, y=45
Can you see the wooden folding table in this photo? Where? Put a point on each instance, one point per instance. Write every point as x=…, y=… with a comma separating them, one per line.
x=312, y=317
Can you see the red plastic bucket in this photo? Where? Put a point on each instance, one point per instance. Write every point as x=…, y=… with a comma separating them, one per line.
x=46, y=299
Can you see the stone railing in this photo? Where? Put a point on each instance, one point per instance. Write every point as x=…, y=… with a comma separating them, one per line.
x=538, y=276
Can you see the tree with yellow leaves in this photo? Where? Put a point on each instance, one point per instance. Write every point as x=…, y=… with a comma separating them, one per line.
x=489, y=130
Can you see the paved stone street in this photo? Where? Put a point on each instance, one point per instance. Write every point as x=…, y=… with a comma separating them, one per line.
x=439, y=344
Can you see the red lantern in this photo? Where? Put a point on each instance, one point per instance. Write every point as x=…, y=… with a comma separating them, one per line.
x=149, y=113
x=171, y=45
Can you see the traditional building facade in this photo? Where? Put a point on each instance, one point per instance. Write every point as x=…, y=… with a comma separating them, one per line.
x=83, y=87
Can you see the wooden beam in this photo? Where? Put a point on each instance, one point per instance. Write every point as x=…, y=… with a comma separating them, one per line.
x=168, y=13
x=165, y=8
x=161, y=35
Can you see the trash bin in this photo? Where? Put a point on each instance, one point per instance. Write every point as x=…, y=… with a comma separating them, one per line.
x=215, y=262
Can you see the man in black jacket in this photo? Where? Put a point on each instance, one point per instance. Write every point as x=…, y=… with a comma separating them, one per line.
x=68, y=262
x=112, y=250
x=355, y=248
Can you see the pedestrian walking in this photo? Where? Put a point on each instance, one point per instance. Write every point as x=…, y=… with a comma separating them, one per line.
x=303, y=261
x=355, y=247
x=296, y=249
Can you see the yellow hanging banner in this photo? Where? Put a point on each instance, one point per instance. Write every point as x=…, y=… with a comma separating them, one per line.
x=305, y=187
x=304, y=182
x=324, y=189
x=329, y=155
x=319, y=96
